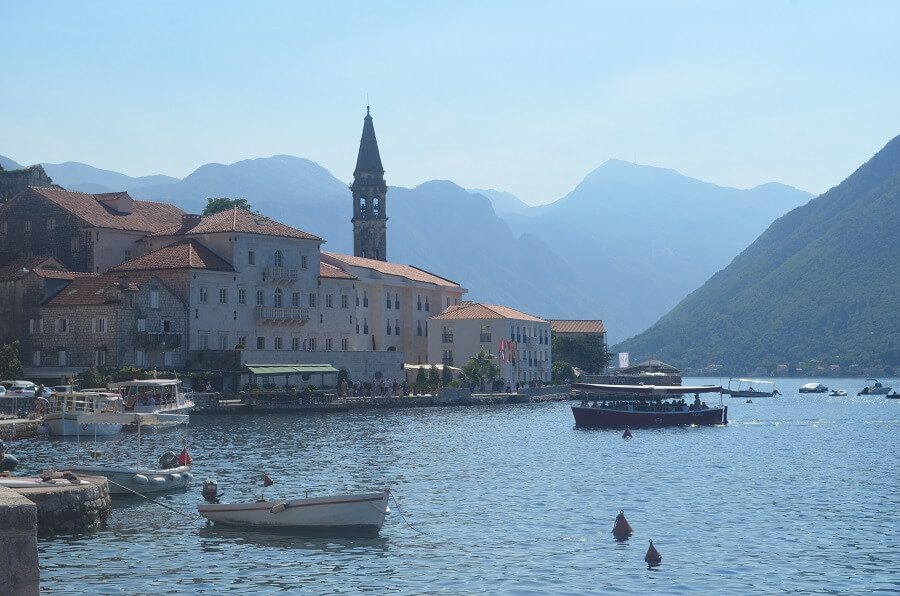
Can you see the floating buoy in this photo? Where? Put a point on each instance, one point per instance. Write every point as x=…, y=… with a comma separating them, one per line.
x=622, y=529
x=749, y=401
x=184, y=458
x=653, y=557
x=627, y=433
x=95, y=453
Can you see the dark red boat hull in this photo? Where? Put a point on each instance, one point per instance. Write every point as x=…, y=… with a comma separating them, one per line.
x=587, y=417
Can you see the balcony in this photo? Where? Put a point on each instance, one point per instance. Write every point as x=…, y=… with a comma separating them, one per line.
x=271, y=314
x=447, y=338
x=158, y=340
x=485, y=338
x=280, y=274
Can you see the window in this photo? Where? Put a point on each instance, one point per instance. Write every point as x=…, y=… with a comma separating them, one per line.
x=279, y=259
x=295, y=299
x=345, y=301
x=27, y=226
x=242, y=341
x=260, y=298
x=448, y=301
x=419, y=330
x=61, y=358
x=127, y=255
x=142, y=324
x=485, y=334
x=397, y=301
x=397, y=327
x=312, y=343
x=223, y=295
x=154, y=298
x=365, y=326
x=277, y=343
x=375, y=206
x=100, y=325
x=35, y=357
x=204, y=294
x=328, y=300
x=51, y=224
x=62, y=325
x=223, y=341
x=166, y=325
x=312, y=300
x=295, y=343
x=419, y=303
x=203, y=341
x=279, y=302
x=36, y=326
x=365, y=299
x=362, y=205
x=426, y=304
x=251, y=258
x=388, y=300
x=426, y=328
x=327, y=344
x=2, y=227
x=100, y=357
x=242, y=296
x=73, y=243
x=140, y=358
x=260, y=343
x=303, y=262
x=345, y=344
x=167, y=358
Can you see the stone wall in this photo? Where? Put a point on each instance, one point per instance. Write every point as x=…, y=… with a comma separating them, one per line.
x=19, y=569
x=13, y=182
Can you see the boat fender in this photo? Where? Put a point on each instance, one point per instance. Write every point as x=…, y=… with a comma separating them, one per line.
x=187, y=476
x=140, y=479
x=172, y=477
x=43, y=429
x=157, y=480
x=622, y=529
x=653, y=557
x=278, y=507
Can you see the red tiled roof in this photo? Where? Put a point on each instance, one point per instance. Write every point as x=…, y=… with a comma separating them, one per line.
x=184, y=254
x=11, y=268
x=236, y=220
x=326, y=270
x=474, y=310
x=576, y=326
x=407, y=271
x=97, y=289
x=146, y=216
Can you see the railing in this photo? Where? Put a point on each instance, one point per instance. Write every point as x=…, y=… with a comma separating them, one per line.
x=279, y=274
x=271, y=313
x=447, y=338
x=485, y=338
x=157, y=339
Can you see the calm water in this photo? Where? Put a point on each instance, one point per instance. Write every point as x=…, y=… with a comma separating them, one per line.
x=798, y=494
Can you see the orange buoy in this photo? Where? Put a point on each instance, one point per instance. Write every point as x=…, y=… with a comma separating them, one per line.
x=627, y=433
x=622, y=529
x=653, y=557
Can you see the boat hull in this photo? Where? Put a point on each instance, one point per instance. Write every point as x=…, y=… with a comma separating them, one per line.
x=127, y=481
x=64, y=424
x=352, y=513
x=589, y=417
x=747, y=393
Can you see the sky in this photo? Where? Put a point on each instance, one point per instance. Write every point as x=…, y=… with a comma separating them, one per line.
x=518, y=96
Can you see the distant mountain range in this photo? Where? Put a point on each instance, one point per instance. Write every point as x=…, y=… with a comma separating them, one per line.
x=624, y=246
x=821, y=284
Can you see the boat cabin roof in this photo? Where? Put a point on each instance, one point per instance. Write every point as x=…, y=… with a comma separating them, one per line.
x=755, y=381
x=145, y=383
x=651, y=391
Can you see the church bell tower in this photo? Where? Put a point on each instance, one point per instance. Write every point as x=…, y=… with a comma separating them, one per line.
x=369, y=190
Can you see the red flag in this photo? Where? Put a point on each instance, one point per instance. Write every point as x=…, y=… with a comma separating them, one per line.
x=184, y=458
x=267, y=481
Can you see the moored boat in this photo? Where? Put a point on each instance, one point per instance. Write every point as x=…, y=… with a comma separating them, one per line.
x=644, y=405
x=63, y=410
x=813, y=388
x=837, y=393
x=875, y=389
x=744, y=388
x=361, y=513
x=164, y=396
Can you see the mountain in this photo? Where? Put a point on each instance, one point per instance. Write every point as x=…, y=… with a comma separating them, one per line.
x=503, y=202
x=642, y=237
x=8, y=164
x=821, y=283
x=82, y=177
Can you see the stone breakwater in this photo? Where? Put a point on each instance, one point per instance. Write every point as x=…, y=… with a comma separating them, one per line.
x=19, y=569
x=70, y=509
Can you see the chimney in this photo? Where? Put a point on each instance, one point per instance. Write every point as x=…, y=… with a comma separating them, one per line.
x=189, y=221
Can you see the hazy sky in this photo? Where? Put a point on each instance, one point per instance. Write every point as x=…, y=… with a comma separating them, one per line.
x=524, y=97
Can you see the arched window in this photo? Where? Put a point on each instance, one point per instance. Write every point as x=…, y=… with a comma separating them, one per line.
x=375, y=206
x=278, y=300
x=362, y=205
x=279, y=259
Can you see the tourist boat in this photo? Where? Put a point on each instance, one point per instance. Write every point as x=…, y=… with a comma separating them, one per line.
x=744, y=388
x=875, y=389
x=813, y=388
x=171, y=473
x=63, y=410
x=353, y=513
x=837, y=393
x=163, y=396
x=644, y=405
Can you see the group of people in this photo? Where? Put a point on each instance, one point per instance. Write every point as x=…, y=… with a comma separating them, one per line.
x=373, y=388
x=676, y=405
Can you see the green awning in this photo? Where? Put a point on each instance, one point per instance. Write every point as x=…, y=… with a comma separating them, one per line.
x=292, y=369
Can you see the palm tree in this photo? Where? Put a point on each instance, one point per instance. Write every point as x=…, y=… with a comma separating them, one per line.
x=481, y=368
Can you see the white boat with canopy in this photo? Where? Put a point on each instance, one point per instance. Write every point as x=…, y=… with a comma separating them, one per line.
x=750, y=388
x=63, y=410
x=153, y=395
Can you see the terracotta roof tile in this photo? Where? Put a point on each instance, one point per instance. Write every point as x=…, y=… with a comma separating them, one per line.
x=184, y=254
x=474, y=310
x=97, y=289
x=326, y=270
x=407, y=271
x=236, y=220
x=577, y=326
x=146, y=216
x=11, y=268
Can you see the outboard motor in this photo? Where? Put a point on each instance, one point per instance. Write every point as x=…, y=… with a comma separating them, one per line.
x=211, y=491
x=168, y=460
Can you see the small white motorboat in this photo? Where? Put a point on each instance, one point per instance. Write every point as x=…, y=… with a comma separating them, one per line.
x=837, y=393
x=352, y=513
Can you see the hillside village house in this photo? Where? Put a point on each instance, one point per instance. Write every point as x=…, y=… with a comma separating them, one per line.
x=463, y=330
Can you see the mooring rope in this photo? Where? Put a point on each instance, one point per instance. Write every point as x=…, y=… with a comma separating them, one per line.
x=143, y=496
x=403, y=517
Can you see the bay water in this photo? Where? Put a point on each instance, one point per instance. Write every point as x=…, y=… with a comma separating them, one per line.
x=797, y=494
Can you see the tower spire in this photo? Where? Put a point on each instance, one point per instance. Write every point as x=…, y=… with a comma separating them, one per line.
x=369, y=191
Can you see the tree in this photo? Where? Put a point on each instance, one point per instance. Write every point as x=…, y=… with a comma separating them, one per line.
x=587, y=352
x=224, y=204
x=481, y=368
x=560, y=371
x=10, y=365
x=433, y=376
x=446, y=376
x=421, y=378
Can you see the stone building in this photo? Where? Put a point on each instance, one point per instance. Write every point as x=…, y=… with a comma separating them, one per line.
x=12, y=182
x=86, y=232
x=518, y=342
x=369, y=191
